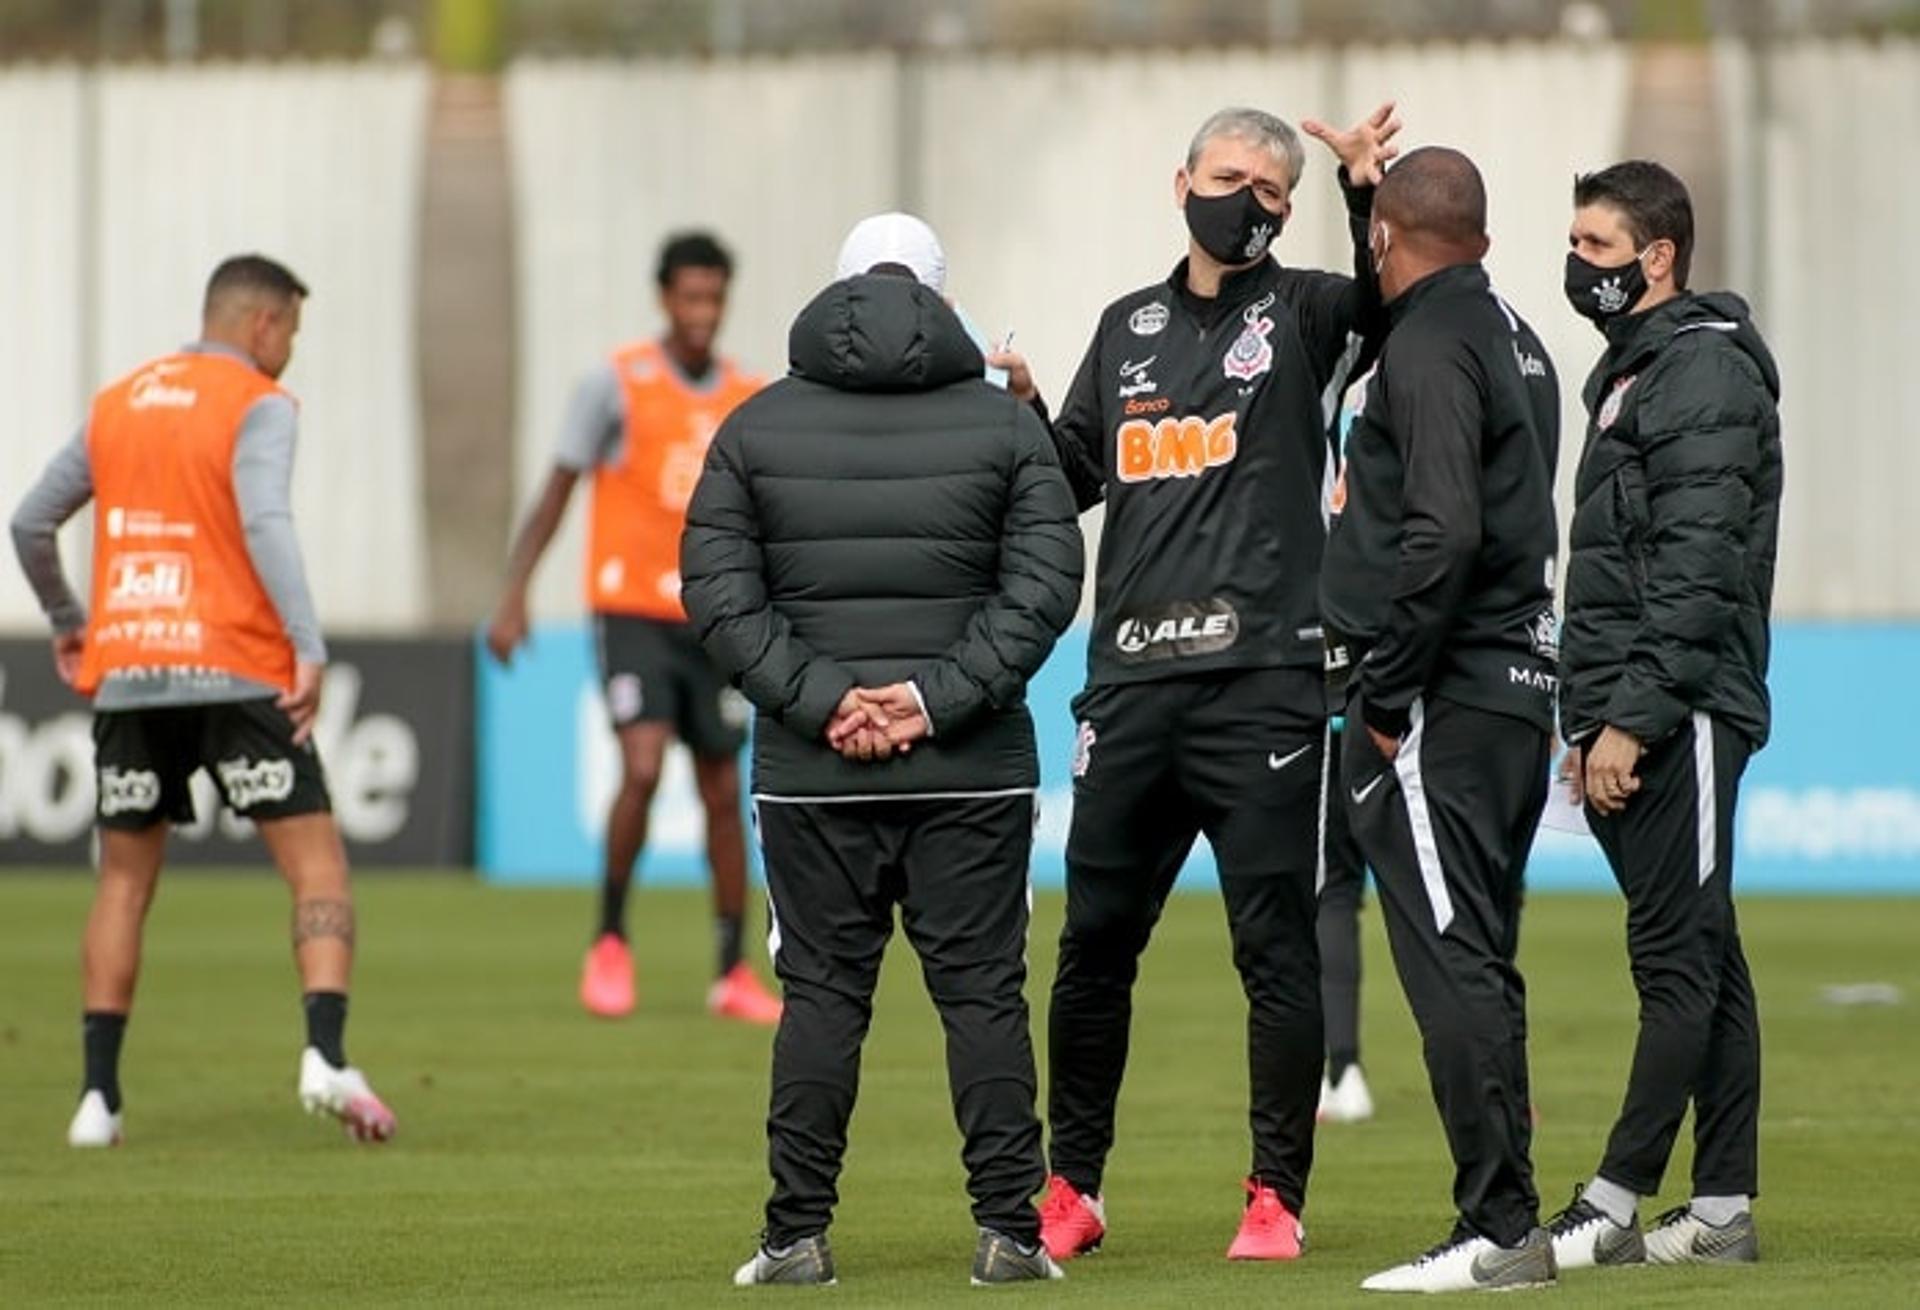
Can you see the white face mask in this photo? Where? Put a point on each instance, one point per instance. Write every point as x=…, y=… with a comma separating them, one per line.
x=1379, y=253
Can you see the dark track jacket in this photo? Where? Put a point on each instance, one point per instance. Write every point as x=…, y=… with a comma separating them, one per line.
x=1439, y=572
x=1201, y=424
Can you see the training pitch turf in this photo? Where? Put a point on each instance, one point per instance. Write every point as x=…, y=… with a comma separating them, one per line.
x=546, y=1157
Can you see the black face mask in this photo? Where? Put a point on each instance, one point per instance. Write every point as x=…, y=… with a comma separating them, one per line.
x=1235, y=228
x=1604, y=293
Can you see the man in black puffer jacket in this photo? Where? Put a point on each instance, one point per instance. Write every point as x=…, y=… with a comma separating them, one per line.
x=1663, y=697
x=881, y=552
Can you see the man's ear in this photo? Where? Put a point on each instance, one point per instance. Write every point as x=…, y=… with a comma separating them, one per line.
x=1182, y=184
x=1660, y=260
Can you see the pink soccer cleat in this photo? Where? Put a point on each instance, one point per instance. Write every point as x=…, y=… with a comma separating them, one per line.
x=739, y=994
x=1071, y=1222
x=606, y=981
x=1268, y=1230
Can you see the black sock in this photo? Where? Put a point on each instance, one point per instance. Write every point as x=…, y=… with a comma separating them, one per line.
x=613, y=907
x=727, y=931
x=1337, y=1062
x=100, y=1034
x=326, y=1025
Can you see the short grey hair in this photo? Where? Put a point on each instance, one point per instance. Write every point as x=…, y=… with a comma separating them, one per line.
x=1258, y=127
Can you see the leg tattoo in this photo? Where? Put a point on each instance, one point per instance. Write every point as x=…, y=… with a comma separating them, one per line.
x=313, y=920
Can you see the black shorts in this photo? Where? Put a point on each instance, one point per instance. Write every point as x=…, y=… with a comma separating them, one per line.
x=655, y=672
x=143, y=761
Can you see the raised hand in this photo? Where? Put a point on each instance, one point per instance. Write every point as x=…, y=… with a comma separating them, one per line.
x=1366, y=148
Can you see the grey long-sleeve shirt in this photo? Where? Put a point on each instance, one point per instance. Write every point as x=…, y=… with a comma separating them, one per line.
x=262, y=484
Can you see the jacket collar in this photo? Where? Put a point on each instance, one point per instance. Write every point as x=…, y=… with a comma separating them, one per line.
x=1455, y=279
x=1237, y=288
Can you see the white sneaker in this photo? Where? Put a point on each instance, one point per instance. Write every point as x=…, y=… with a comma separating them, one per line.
x=1472, y=1264
x=808, y=1261
x=344, y=1094
x=1347, y=1101
x=93, y=1124
x=1681, y=1237
x=1585, y=1236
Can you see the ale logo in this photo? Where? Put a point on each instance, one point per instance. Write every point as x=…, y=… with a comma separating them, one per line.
x=1171, y=631
x=1174, y=447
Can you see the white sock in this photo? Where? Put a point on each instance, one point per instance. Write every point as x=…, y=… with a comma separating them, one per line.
x=1611, y=1200
x=1719, y=1210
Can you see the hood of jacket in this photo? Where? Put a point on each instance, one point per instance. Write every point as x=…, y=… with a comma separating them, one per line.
x=878, y=332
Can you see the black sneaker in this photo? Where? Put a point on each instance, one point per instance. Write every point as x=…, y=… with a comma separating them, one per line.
x=806, y=1261
x=1584, y=1236
x=1000, y=1259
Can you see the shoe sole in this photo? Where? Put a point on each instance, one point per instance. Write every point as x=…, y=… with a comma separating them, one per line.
x=1092, y=1248
x=767, y=1020
x=357, y=1120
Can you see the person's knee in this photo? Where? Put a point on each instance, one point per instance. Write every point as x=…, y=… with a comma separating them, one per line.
x=719, y=783
x=1103, y=944
x=639, y=778
x=129, y=890
x=308, y=850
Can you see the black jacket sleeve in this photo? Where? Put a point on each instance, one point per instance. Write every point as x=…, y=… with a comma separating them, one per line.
x=1435, y=401
x=1701, y=422
x=1079, y=437
x=724, y=588
x=1010, y=636
x=1330, y=307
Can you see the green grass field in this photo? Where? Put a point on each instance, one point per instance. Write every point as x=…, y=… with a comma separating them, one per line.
x=546, y=1158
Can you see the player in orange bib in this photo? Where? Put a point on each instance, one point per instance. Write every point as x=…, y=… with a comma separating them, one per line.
x=638, y=427
x=200, y=649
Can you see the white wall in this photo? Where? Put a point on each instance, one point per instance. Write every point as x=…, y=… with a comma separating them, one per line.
x=319, y=166
x=41, y=331
x=1836, y=281
x=778, y=157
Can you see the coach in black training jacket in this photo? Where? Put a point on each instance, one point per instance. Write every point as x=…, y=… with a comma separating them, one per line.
x=1439, y=576
x=1198, y=418
x=881, y=552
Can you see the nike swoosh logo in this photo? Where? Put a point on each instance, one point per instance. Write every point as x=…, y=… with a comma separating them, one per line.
x=1278, y=762
x=1501, y=1267
x=1360, y=794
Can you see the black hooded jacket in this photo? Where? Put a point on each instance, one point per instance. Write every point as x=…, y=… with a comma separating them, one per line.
x=883, y=514
x=1676, y=521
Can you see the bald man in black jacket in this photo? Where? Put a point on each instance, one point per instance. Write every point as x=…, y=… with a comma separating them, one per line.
x=1437, y=593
